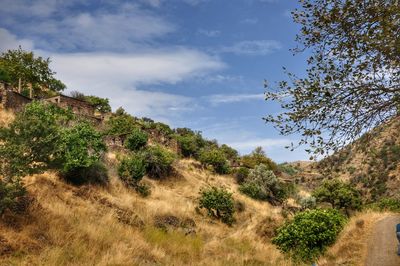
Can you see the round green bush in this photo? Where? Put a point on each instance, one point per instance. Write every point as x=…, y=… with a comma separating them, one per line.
x=309, y=234
x=131, y=170
x=388, y=204
x=136, y=140
x=219, y=203
x=216, y=158
x=158, y=162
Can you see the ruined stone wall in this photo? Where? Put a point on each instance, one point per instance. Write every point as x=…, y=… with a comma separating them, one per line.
x=12, y=100
x=77, y=106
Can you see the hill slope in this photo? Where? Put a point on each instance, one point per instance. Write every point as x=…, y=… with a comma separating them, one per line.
x=88, y=225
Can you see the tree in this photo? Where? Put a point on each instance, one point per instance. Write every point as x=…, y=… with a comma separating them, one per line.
x=219, y=203
x=158, y=162
x=136, y=140
x=258, y=157
x=100, y=104
x=216, y=158
x=30, y=143
x=33, y=71
x=340, y=195
x=353, y=79
x=308, y=235
x=262, y=184
x=131, y=170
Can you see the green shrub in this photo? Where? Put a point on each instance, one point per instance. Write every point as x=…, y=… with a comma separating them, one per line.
x=241, y=174
x=215, y=158
x=287, y=168
x=258, y=157
x=189, y=145
x=388, y=204
x=262, y=184
x=81, y=146
x=309, y=234
x=10, y=192
x=131, y=170
x=143, y=189
x=158, y=162
x=339, y=194
x=308, y=203
x=219, y=203
x=136, y=140
x=93, y=174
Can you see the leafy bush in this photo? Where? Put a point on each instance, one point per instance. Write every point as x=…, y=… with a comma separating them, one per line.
x=262, y=184
x=93, y=174
x=308, y=203
x=131, y=170
x=30, y=143
x=189, y=145
x=241, y=174
x=216, y=158
x=258, y=157
x=136, y=140
x=143, y=189
x=158, y=162
x=81, y=146
x=287, y=168
x=219, y=203
x=339, y=194
x=10, y=192
x=388, y=204
x=308, y=235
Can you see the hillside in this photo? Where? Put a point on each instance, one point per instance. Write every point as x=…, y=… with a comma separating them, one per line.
x=88, y=225
x=372, y=163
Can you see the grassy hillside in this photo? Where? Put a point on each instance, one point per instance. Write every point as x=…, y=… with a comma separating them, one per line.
x=68, y=225
x=372, y=163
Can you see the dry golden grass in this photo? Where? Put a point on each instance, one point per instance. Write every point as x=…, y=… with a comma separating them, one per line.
x=6, y=117
x=67, y=225
x=351, y=247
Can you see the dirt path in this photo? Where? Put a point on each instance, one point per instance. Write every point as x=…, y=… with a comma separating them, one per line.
x=382, y=246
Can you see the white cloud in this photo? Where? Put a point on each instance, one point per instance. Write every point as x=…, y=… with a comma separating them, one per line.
x=218, y=78
x=255, y=47
x=223, y=98
x=119, y=77
x=209, y=33
x=10, y=41
x=266, y=143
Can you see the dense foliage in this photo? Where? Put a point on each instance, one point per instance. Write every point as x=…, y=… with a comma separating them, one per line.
x=339, y=194
x=158, y=162
x=387, y=204
x=33, y=71
x=216, y=158
x=131, y=170
x=353, y=79
x=262, y=184
x=136, y=140
x=219, y=203
x=10, y=192
x=308, y=235
x=258, y=157
x=241, y=174
x=100, y=104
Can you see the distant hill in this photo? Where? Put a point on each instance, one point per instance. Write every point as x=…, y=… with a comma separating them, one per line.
x=372, y=163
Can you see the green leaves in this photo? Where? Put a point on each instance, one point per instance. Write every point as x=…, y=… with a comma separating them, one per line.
x=353, y=75
x=218, y=202
x=308, y=235
x=136, y=140
x=216, y=158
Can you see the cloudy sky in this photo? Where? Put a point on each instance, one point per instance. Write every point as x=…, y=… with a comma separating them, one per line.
x=189, y=63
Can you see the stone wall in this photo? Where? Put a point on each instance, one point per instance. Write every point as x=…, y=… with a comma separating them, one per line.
x=77, y=106
x=12, y=100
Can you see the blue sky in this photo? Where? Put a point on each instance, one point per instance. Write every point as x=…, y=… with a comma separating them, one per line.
x=189, y=63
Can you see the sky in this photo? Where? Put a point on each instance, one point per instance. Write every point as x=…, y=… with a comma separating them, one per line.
x=189, y=63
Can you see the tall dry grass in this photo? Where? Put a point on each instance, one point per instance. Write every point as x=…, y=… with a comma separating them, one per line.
x=90, y=225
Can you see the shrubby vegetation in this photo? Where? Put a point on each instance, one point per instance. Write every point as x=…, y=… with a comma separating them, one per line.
x=136, y=140
x=241, y=175
x=309, y=234
x=258, y=157
x=158, y=162
x=131, y=170
x=10, y=192
x=387, y=204
x=215, y=158
x=339, y=194
x=262, y=184
x=219, y=203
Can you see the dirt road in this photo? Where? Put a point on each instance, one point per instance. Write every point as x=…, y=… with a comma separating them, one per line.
x=382, y=247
